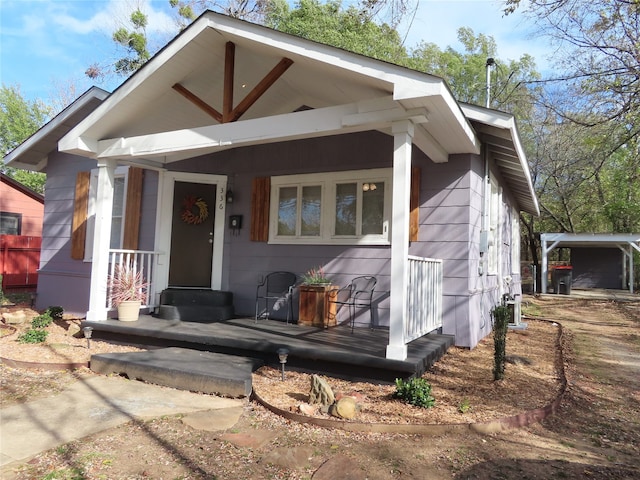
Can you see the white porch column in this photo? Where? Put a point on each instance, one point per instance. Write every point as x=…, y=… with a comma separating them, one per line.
x=402, y=139
x=101, y=241
x=545, y=267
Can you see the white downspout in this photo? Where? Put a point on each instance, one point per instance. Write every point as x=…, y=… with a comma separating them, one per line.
x=402, y=140
x=101, y=241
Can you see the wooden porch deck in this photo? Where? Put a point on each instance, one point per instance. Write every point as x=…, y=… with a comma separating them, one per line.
x=334, y=351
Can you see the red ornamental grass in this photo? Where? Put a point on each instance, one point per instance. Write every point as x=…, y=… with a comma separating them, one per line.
x=126, y=284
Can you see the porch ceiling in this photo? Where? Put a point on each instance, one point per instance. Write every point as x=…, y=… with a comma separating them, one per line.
x=320, y=77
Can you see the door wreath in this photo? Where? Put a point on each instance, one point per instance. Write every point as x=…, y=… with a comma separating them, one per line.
x=194, y=210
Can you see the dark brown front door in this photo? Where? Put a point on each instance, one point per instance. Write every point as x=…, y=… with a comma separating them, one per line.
x=192, y=235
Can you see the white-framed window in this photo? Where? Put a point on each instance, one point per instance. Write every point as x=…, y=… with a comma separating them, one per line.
x=117, y=213
x=352, y=207
x=494, y=227
x=515, y=240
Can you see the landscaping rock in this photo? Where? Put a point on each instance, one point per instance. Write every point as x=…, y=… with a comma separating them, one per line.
x=213, y=420
x=346, y=408
x=16, y=318
x=73, y=330
x=321, y=392
x=255, y=439
x=293, y=458
x=307, y=409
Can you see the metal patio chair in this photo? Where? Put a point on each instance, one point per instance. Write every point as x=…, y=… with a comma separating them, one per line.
x=276, y=287
x=359, y=293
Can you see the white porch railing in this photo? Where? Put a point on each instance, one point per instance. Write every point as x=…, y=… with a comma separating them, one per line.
x=424, y=299
x=139, y=261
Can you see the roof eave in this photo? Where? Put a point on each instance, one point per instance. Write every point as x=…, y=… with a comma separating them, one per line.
x=50, y=132
x=528, y=201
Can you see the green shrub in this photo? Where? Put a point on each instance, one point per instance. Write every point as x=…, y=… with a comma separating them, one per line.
x=55, y=312
x=41, y=321
x=501, y=316
x=415, y=391
x=33, y=336
x=464, y=406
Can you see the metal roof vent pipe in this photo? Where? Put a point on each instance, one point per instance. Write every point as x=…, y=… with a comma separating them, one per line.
x=490, y=63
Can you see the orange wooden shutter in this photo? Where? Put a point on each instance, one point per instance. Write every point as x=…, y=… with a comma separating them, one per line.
x=133, y=204
x=261, y=190
x=79, y=222
x=414, y=204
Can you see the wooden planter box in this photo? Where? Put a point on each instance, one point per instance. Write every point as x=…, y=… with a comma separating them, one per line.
x=315, y=308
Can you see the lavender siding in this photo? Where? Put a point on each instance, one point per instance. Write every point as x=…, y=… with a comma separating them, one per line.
x=450, y=223
x=245, y=262
x=62, y=280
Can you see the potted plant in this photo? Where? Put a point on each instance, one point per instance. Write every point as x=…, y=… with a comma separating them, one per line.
x=315, y=276
x=127, y=291
x=315, y=308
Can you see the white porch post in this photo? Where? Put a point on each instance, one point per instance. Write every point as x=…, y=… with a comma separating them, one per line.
x=402, y=139
x=101, y=241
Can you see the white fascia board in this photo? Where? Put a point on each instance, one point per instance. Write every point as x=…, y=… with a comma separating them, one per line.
x=49, y=127
x=506, y=122
x=305, y=124
x=366, y=115
x=591, y=237
x=72, y=141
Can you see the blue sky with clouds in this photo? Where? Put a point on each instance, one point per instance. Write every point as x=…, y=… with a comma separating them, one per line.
x=46, y=45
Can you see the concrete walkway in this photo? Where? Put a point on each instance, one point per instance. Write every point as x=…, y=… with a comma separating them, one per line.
x=90, y=405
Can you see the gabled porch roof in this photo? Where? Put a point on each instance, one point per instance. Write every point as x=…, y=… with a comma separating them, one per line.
x=149, y=120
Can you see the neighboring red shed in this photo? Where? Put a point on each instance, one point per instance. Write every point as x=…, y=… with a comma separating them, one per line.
x=21, y=214
x=21, y=209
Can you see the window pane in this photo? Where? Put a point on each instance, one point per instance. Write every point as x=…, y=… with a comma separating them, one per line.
x=117, y=212
x=287, y=210
x=118, y=197
x=373, y=209
x=311, y=206
x=10, y=223
x=116, y=229
x=346, y=197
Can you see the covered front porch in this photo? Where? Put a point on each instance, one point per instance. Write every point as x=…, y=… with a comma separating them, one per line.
x=334, y=351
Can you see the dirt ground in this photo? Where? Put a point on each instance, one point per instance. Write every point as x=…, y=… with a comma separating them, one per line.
x=596, y=433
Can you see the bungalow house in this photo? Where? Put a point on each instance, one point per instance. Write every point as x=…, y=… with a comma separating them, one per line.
x=238, y=150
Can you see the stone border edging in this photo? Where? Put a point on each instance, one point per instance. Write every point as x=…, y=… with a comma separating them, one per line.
x=506, y=423
x=42, y=366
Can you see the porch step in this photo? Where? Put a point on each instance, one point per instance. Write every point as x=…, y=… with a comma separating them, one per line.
x=182, y=368
x=195, y=305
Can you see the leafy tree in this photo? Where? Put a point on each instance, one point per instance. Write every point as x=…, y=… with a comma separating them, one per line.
x=255, y=10
x=465, y=72
x=19, y=119
x=135, y=42
x=328, y=23
x=133, y=38
x=587, y=160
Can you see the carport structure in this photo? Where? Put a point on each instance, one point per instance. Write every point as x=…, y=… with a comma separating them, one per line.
x=626, y=242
